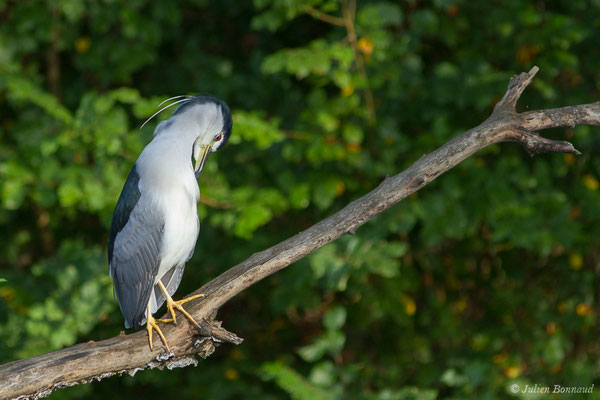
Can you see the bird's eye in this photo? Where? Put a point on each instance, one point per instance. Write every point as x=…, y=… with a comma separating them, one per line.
x=218, y=138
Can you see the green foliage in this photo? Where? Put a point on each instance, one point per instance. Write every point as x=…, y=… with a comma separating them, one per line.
x=255, y=128
x=484, y=279
x=293, y=383
x=64, y=299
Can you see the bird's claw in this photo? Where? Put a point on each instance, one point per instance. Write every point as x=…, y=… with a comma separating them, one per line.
x=150, y=326
x=172, y=305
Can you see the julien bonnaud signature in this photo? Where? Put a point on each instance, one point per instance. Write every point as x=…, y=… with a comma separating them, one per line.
x=551, y=389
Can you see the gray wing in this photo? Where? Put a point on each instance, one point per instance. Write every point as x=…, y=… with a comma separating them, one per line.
x=133, y=250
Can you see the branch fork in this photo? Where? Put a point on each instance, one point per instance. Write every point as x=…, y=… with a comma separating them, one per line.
x=531, y=141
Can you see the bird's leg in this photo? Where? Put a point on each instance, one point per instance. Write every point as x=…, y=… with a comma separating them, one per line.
x=172, y=305
x=150, y=325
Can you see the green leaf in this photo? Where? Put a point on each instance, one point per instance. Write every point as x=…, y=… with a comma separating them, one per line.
x=23, y=90
x=325, y=192
x=253, y=127
x=332, y=342
x=293, y=383
x=335, y=318
x=380, y=14
x=251, y=217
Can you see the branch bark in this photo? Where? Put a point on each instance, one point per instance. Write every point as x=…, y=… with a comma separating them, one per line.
x=38, y=376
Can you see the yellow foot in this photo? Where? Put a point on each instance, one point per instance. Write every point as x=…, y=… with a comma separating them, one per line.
x=151, y=325
x=172, y=305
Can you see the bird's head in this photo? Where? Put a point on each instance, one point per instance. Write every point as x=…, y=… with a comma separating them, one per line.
x=207, y=121
x=213, y=125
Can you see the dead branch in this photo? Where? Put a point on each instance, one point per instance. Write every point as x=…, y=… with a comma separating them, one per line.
x=38, y=376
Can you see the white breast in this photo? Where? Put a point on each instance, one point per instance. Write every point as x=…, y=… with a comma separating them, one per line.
x=180, y=231
x=167, y=178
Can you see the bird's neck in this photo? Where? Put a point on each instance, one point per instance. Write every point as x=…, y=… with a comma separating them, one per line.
x=166, y=162
x=178, y=135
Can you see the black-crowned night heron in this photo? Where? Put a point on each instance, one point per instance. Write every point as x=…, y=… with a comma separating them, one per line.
x=155, y=223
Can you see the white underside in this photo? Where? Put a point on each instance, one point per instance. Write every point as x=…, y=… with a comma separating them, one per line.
x=178, y=241
x=173, y=188
x=180, y=231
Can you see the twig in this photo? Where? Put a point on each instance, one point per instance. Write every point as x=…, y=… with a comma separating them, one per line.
x=214, y=203
x=349, y=10
x=320, y=15
x=52, y=54
x=38, y=376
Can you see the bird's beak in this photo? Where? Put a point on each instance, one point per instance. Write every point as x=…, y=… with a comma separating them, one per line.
x=201, y=159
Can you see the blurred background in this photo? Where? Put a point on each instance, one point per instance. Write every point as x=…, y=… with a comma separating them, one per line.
x=486, y=278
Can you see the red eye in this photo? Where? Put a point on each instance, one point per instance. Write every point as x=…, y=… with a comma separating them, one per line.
x=218, y=137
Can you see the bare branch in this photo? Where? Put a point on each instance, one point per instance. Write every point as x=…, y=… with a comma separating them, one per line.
x=516, y=86
x=38, y=376
x=330, y=19
x=565, y=116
